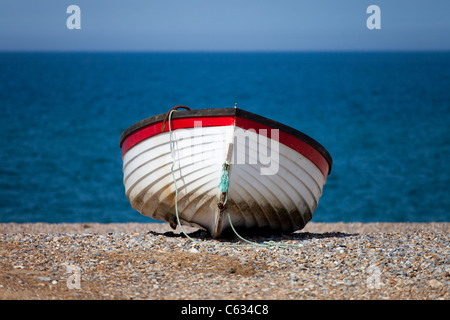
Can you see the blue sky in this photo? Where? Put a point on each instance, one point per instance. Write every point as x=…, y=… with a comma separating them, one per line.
x=226, y=25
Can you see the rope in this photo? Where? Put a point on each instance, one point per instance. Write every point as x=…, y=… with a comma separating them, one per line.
x=170, y=113
x=223, y=186
x=175, y=181
x=224, y=183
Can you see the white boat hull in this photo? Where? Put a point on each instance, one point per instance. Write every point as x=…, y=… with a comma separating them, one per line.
x=282, y=199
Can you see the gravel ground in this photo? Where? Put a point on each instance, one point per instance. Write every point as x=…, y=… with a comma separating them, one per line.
x=148, y=261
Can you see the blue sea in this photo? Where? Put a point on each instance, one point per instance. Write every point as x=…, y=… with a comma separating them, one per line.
x=384, y=118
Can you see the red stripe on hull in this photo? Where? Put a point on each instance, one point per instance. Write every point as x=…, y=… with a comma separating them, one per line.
x=292, y=142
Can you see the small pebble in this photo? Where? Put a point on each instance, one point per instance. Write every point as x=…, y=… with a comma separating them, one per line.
x=435, y=284
x=44, y=279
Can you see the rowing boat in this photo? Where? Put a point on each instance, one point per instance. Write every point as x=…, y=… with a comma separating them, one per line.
x=222, y=168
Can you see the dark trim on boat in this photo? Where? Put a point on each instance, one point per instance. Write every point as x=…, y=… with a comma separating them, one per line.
x=230, y=112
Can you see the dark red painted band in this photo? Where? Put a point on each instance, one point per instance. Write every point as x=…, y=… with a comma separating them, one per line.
x=289, y=140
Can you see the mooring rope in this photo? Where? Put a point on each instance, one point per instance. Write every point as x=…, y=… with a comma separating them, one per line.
x=175, y=182
x=224, y=184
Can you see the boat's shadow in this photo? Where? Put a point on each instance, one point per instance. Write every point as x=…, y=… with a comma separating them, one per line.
x=203, y=235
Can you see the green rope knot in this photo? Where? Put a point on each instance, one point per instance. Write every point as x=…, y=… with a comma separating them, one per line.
x=224, y=179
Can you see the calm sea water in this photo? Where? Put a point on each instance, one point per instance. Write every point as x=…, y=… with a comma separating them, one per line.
x=384, y=118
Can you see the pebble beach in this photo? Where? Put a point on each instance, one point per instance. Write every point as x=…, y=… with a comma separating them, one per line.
x=128, y=261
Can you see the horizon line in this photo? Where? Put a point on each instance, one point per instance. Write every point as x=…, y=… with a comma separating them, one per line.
x=235, y=51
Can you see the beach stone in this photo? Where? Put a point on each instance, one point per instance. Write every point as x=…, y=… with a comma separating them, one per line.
x=47, y=279
x=435, y=284
x=193, y=250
